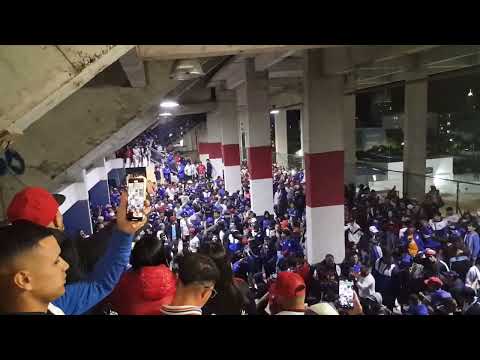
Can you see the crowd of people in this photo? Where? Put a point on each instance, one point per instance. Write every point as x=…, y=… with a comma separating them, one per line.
x=201, y=250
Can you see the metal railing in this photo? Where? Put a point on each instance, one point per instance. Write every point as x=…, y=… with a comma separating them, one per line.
x=288, y=160
x=461, y=192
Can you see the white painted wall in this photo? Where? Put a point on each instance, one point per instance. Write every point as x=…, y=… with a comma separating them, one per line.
x=73, y=193
x=114, y=164
x=94, y=176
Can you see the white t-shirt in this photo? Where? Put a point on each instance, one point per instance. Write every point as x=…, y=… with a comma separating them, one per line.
x=453, y=219
x=194, y=244
x=354, y=233
x=366, y=286
x=473, y=278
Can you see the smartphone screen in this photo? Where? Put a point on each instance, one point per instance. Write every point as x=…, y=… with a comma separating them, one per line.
x=345, y=294
x=136, y=198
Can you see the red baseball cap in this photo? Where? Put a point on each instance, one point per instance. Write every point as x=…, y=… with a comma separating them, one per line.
x=434, y=281
x=34, y=204
x=288, y=284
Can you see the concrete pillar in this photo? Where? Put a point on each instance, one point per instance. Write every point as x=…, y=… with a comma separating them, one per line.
x=349, y=136
x=96, y=181
x=281, y=139
x=202, y=143
x=259, y=141
x=415, y=138
x=227, y=109
x=214, y=139
x=323, y=141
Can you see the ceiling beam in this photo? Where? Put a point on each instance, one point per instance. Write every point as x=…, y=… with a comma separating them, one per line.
x=169, y=52
x=134, y=69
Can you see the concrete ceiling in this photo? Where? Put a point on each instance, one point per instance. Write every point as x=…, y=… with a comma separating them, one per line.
x=66, y=126
x=36, y=78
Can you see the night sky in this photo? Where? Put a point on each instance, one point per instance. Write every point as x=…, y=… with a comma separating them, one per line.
x=447, y=93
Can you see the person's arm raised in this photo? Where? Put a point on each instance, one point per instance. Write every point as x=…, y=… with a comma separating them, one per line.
x=82, y=296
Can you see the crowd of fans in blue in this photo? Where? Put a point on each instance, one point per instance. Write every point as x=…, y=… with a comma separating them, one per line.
x=201, y=250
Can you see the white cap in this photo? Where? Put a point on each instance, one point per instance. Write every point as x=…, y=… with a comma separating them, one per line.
x=373, y=229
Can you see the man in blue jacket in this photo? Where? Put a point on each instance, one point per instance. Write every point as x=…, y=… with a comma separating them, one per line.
x=38, y=206
x=472, y=241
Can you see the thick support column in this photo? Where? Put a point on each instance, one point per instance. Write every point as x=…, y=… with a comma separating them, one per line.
x=214, y=137
x=76, y=209
x=323, y=141
x=349, y=136
x=281, y=139
x=202, y=143
x=96, y=181
x=415, y=138
x=230, y=149
x=259, y=142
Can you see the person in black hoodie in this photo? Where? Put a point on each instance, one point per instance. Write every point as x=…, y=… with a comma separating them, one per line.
x=234, y=296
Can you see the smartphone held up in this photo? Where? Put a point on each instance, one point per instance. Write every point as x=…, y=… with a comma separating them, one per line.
x=137, y=190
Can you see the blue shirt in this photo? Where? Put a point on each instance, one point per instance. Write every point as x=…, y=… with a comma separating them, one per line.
x=81, y=296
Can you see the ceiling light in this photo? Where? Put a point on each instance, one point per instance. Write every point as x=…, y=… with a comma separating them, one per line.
x=170, y=134
x=274, y=112
x=166, y=114
x=186, y=70
x=470, y=93
x=169, y=104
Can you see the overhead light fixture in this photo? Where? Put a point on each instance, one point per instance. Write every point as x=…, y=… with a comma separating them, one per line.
x=169, y=104
x=165, y=114
x=186, y=70
x=274, y=111
x=470, y=93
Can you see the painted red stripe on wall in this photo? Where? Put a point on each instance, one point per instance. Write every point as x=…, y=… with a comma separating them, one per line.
x=231, y=154
x=324, y=179
x=260, y=162
x=203, y=148
x=215, y=150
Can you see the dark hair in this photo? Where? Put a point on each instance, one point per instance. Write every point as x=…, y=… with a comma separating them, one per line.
x=19, y=238
x=148, y=251
x=196, y=268
x=230, y=301
x=414, y=299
